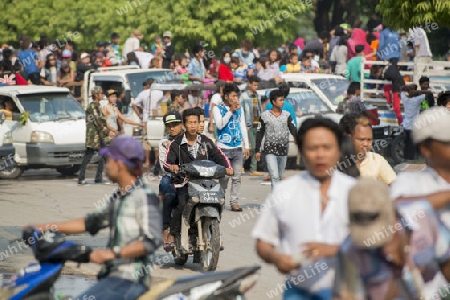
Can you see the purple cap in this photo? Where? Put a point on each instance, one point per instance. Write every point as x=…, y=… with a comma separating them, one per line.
x=125, y=149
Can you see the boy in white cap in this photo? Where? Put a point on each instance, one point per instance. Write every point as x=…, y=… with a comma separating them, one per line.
x=431, y=135
x=394, y=251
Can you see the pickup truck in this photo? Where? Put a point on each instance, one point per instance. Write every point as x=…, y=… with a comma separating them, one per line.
x=127, y=80
x=47, y=129
x=437, y=71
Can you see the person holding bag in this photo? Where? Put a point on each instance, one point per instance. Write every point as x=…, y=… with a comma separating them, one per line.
x=97, y=135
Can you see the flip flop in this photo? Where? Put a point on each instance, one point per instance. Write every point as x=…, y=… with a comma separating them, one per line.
x=169, y=246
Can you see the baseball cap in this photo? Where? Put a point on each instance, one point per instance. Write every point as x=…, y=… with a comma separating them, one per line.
x=111, y=92
x=66, y=53
x=84, y=55
x=100, y=44
x=433, y=123
x=371, y=212
x=168, y=34
x=172, y=117
x=125, y=149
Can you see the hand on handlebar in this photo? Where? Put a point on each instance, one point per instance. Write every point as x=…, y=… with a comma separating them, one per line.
x=174, y=168
x=229, y=171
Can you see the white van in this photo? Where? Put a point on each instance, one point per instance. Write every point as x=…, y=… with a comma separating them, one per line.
x=53, y=134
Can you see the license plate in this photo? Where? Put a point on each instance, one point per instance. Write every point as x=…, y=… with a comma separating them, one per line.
x=209, y=197
x=76, y=156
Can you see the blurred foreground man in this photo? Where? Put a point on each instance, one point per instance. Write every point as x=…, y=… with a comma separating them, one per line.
x=306, y=216
x=431, y=135
x=134, y=219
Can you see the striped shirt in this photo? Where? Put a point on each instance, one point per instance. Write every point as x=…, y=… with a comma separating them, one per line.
x=134, y=216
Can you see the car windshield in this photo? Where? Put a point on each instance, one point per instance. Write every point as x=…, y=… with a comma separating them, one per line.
x=334, y=89
x=137, y=79
x=51, y=107
x=307, y=103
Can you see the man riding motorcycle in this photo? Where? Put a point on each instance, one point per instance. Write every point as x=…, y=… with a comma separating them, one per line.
x=187, y=148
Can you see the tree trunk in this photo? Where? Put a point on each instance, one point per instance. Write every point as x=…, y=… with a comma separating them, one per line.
x=322, y=20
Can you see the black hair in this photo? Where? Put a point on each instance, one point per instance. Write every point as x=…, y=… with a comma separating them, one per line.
x=229, y=88
x=343, y=40
x=263, y=60
x=253, y=78
x=175, y=94
x=200, y=110
x=443, y=98
x=318, y=122
x=274, y=95
x=190, y=112
x=196, y=49
x=339, y=31
x=346, y=164
x=47, y=62
x=423, y=79
x=359, y=48
x=370, y=37
x=353, y=87
x=114, y=35
x=284, y=89
x=324, y=35
x=348, y=123
x=292, y=47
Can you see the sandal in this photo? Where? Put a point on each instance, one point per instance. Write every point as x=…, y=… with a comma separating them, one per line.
x=168, y=247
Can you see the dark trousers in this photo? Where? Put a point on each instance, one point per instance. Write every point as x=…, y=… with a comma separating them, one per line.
x=88, y=154
x=175, y=225
x=35, y=78
x=409, y=152
x=167, y=190
x=157, y=168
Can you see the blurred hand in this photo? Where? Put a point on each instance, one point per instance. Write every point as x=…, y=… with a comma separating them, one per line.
x=174, y=168
x=285, y=264
x=258, y=156
x=246, y=153
x=229, y=171
x=101, y=256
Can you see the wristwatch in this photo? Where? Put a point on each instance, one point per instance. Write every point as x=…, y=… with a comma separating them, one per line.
x=117, y=251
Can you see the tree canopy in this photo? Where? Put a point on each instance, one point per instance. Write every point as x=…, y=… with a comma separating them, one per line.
x=217, y=22
x=407, y=13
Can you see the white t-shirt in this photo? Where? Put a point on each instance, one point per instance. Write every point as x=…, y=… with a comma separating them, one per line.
x=292, y=216
x=423, y=183
x=419, y=37
x=131, y=44
x=216, y=99
x=149, y=99
x=144, y=59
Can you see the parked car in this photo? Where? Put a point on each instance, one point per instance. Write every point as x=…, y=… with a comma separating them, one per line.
x=48, y=129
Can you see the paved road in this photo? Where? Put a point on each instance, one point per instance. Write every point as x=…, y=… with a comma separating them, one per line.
x=46, y=196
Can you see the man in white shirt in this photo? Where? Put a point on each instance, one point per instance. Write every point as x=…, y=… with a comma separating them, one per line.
x=431, y=135
x=421, y=49
x=231, y=134
x=216, y=99
x=147, y=102
x=132, y=43
x=306, y=215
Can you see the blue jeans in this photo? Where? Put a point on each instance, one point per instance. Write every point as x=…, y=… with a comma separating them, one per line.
x=276, y=166
x=293, y=293
x=114, y=288
x=235, y=156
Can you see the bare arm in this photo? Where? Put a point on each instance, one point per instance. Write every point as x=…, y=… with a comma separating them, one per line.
x=437, y=200
x=125, y=120
x=283, y=262
x=68, y=227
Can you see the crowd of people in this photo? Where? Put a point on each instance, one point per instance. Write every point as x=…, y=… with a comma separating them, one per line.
x=396, y=244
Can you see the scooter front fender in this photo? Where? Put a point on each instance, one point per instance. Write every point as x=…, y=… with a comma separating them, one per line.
x=207, y=211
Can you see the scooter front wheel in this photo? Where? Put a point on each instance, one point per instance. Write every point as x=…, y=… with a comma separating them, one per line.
x=211, y=239
x=180, y=260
